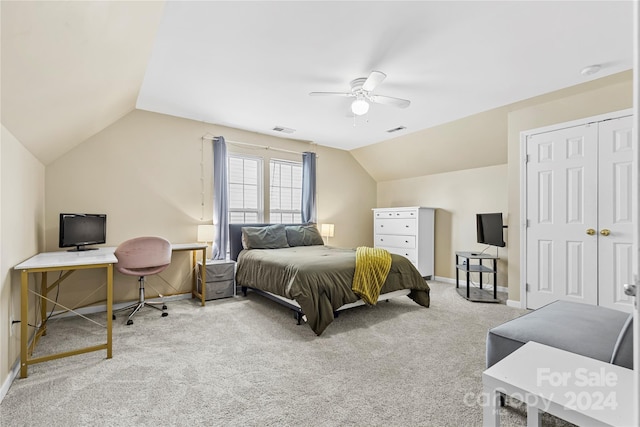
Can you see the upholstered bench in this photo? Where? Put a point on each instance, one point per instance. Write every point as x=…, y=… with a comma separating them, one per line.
x=597, y=332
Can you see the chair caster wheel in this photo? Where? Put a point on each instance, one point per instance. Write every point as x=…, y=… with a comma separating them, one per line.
x=113, y=317
x=165, y=314
x=129, y=322
x=164, y=307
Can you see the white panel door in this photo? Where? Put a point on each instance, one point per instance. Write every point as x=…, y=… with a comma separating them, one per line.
x=616, y=212
x=562, y=239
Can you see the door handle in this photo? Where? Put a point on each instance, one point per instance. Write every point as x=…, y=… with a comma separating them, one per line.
x=605, y=232
x=630, y=290
x=591, y=231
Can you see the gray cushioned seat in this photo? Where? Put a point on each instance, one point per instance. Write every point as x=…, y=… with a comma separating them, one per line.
x=597, y=332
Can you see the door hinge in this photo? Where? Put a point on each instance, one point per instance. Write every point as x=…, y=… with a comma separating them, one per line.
x=527, y=158
x=526, y=287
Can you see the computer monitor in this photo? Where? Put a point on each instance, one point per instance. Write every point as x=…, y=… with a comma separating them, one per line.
x=80, y=230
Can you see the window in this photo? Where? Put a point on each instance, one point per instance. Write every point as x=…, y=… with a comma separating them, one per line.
x=245, y=189
x=286, y=191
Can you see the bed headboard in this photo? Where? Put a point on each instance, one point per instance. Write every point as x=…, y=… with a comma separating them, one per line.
x=235, y=237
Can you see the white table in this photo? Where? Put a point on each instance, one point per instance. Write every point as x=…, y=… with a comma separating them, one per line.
x=578, y=389
x=60, y=261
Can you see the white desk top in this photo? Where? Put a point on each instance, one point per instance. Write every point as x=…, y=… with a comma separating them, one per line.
x=188, y=246
x=601, y=391
x=69, y=259
x=98, y=256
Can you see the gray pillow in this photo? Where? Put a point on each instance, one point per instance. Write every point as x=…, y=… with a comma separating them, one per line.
x=303, y=235
x=269, y=237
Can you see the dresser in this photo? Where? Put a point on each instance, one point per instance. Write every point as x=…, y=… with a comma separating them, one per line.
x=408, y=232
x=220, y=279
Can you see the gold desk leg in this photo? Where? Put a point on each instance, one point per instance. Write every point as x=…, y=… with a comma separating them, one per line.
x=194, y=279
x=203, y=276
x=43, y=303
x=24, y=315
x=109, y=308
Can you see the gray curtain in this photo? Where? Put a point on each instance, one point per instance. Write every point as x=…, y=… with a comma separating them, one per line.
x=308, y=187
x=220, y=199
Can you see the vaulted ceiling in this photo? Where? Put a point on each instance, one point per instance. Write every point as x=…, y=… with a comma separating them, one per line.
x=70, y=69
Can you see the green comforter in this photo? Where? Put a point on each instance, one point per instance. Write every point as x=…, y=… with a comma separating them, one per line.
x=319, y=278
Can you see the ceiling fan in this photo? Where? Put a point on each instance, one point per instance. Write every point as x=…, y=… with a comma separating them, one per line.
x=361, y=89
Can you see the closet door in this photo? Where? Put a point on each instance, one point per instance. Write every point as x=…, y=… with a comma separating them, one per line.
x=616, y=212
x=562, y=239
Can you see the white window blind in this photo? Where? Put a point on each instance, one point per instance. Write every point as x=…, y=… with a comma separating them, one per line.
x=245, y=189
x=285, y=191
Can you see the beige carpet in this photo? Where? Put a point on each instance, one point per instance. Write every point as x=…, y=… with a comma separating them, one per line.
x=244, y=361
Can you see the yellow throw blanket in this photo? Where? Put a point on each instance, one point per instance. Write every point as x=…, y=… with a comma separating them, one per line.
x=372, y=268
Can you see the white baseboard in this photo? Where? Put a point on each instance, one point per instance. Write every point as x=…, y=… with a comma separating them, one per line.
x=515, y=304
x=463, y=283
x=13, y=373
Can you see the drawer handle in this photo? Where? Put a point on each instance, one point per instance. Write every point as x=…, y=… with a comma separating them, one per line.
x=382, y=240
x=406, y=226
x=381, y=226
x=406, y=241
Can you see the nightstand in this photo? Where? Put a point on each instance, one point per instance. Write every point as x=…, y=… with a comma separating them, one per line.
x=220, y=279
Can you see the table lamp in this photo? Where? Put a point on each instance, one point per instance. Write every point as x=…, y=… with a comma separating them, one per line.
x=205, y=234
x=326, y=230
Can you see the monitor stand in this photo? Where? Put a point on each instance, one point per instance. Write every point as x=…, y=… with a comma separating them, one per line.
x=81, y=248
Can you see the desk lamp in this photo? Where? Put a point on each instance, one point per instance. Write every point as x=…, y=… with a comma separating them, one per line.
x=205, y=234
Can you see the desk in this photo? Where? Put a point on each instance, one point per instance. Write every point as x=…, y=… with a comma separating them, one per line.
x=59, y=261
x=578, y=389
x=194, y=248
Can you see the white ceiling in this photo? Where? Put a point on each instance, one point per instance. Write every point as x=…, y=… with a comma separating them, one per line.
x=251, y=65
x=70, y=69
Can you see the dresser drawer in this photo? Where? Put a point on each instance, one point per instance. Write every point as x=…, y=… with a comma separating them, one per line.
x=219, y=289
x=410, y=254
x=396, y=214
x=408, y=242
x=218, y=270
x=395, y=226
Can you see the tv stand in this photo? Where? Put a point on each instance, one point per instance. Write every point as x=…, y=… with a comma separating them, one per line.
x=474, y=294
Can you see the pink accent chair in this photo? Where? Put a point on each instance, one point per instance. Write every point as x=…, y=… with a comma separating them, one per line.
x=142, y=257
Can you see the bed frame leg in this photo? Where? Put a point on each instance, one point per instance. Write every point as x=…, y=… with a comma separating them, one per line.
x=298, y=317
x=244, y=290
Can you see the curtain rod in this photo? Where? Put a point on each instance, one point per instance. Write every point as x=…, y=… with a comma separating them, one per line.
x=247, y=144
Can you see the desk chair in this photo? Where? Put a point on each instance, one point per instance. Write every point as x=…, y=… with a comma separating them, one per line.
x=141, y=257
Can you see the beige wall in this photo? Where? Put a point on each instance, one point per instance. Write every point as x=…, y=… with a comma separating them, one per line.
x=409, y=168
x=458, y=196
x=589, y=102
x=144, y=172
x=21, y=232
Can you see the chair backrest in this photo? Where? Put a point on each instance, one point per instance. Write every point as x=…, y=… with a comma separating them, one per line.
x=142, y=256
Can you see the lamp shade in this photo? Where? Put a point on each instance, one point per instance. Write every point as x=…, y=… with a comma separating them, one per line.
x=327, y=230
x=205, y=233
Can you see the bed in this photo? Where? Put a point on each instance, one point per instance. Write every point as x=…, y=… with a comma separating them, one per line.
x=308, y=277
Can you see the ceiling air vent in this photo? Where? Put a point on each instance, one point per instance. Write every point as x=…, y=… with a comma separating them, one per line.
x=283, y=129
x=399, y=128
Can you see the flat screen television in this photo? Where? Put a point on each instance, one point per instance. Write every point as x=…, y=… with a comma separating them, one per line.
x=489, y=227
x=80, y=230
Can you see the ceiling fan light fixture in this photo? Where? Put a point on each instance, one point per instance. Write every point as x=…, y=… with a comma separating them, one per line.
x=359, y=107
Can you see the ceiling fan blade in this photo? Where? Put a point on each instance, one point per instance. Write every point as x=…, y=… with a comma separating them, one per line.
x=374, y=79
x=346, y=94
x=389, y=100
